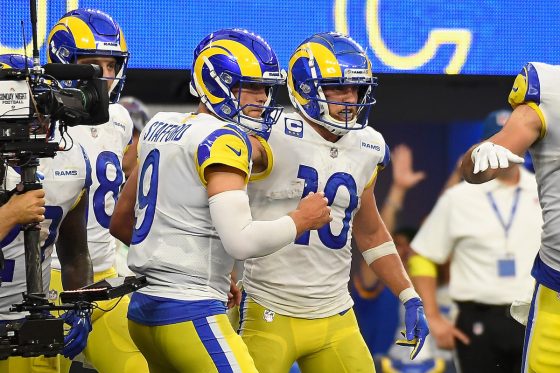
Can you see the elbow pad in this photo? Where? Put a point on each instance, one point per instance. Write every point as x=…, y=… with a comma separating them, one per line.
x=243, y=237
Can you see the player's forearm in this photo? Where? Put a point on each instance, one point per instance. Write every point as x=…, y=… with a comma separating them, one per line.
x=77, y=273
x=122, y=221
x=390, y=270
x=6, y=222
x=242, y=236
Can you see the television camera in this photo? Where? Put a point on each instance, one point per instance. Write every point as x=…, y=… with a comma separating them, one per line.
x=36, y=101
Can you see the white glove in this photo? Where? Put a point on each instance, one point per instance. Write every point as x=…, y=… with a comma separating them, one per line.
x=495, y=156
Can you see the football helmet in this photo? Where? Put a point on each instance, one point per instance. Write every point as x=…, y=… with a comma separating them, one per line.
x=89, y=32
x=139, y=113
x=228, y=59
x=330, y=59
x=15, y=61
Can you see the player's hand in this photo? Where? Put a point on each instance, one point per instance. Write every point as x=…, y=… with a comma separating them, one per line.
x=492, y=155
x=80, y=326
x=312, y=212
x=28, y=207
x=416, y=326
x=445, y=333
x=403, y=174
x=234, y=295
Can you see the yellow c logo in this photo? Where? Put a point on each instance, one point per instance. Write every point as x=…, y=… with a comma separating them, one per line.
x=461, y=38
x=41, y=28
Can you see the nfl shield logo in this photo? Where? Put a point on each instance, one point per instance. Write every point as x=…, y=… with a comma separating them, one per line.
x=94, y=132
x=334, y=152
x=268, y=315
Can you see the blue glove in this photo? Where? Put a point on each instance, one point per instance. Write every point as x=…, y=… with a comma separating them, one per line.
x=80, y=326
x=416, y=326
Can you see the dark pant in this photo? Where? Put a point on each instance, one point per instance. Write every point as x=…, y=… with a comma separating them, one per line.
x=496, y=339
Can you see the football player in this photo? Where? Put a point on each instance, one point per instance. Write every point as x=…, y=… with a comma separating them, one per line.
x=533, y=127
x=66, y=179
x=192, y=212
x=296, y=305
x=89, y=36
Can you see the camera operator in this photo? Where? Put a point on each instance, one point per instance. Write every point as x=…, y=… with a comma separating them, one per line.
x=22, y=209
x=89, y=36
x=66, y=179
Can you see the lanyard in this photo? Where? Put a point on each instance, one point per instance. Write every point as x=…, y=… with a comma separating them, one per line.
x=505, y=225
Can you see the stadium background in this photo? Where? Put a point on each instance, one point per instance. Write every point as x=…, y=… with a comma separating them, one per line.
x=442, y=64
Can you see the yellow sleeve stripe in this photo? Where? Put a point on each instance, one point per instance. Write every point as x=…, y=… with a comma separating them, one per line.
x=223, y=146
x=372, y=178
x=78, y=199
x=419, y=265
x=225, y=161
x=539, y=112
x=269, y=164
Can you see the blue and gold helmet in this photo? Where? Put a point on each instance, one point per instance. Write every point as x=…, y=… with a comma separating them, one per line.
x=15, y=61
x=89, y=32
x=231, y=58
x=330, y=59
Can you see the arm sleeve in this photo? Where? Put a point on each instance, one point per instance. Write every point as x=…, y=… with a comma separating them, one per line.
x=242, y=236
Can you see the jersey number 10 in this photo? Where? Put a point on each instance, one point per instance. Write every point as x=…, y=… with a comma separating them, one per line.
x=337, y=180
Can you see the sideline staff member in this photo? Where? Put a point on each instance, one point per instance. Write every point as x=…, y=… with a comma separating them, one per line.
x=491, y=232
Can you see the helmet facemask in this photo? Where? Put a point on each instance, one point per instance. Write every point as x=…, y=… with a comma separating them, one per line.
x=319, y=100
x=331, y=60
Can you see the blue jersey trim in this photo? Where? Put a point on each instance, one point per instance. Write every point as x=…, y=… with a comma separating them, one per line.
x=205, y=147
x=386, y=157
x=155, y=311
x=533, y=84
x=546, y=275
x=88, y=180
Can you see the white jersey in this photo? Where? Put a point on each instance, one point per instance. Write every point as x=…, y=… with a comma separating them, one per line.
x=481, y=227
x=174, y=242
x=538, y=85
x=309, y=278
x=105, y=145
x=64, y=178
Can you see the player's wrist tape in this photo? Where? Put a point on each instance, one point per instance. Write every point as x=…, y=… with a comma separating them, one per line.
x=386, y=248
x=407, y=294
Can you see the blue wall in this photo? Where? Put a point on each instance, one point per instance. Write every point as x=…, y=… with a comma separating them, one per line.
x=428, y=36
